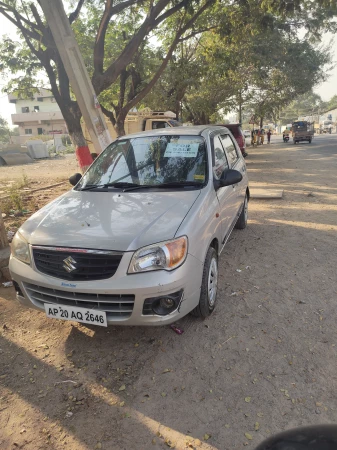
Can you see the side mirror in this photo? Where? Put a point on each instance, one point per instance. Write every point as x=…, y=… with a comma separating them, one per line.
x=74, y=179
x=229, y=177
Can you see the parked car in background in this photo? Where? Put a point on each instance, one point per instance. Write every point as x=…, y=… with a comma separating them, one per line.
x=235, y=129
x=247, y=134
x=137, y=240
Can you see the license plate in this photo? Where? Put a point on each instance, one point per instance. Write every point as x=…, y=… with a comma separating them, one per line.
x=76, y=314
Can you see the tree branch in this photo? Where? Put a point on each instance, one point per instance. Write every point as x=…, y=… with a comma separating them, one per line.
x=122, y=84
x=103, y=80
x=37, y=17
x=109, y=11
x=148, y=87
x=195, y=33
x=168, y=56
x=6, y=8
x=73, y=16
x=169, y=12
x=26, y=35
x=33, y=34
x=109, y=115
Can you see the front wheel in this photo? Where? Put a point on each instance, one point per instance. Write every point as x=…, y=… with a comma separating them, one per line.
x=209, y=286
x=309, y=141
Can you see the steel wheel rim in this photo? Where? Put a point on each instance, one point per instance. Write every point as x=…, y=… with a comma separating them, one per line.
x=212, y=282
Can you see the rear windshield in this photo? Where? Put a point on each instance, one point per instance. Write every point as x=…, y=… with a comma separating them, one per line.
x=300, y=125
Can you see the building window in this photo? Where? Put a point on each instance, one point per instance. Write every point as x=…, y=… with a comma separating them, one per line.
x=25, y=109
x=40, y=99
x=36, y=108
x=28, y=131
x=39, y=131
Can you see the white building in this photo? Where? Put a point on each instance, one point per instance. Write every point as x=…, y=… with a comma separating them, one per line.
x=37, y=116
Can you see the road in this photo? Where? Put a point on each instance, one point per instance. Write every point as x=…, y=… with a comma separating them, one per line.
x=265, y=360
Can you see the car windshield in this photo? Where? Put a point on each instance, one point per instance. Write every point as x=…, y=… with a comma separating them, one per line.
x=150, y=161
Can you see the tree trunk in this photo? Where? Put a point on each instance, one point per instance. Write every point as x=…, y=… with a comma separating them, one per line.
x=72, y=116
x=261, y=122
x=121, y=114
x=119, y=127
x=240, y=108
x=77, y=138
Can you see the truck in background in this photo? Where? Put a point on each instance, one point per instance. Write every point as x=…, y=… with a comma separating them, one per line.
x=326, y=126
x=302, y=131
x=136, y=122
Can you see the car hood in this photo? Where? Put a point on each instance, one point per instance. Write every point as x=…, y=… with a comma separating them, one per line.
x=109, y=220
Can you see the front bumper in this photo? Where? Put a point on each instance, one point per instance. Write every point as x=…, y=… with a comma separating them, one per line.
x=142, y=286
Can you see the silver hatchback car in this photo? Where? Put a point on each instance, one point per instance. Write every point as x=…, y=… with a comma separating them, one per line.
x=137, y=240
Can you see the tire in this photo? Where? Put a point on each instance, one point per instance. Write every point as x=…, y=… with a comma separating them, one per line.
x=243, y=217
x=208, y=294
x=309, y=141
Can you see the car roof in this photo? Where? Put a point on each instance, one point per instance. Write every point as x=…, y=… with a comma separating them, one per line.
x=195, y=130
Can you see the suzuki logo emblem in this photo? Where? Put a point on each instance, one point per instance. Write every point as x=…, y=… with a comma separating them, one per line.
x=69, y=264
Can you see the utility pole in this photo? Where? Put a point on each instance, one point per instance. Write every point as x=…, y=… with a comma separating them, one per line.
x=80, y=82
x=240, y=106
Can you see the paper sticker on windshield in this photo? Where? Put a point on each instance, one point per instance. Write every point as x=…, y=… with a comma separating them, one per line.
x=181, y=150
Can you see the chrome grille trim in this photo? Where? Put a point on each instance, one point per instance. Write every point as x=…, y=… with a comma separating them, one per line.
x=77, y=250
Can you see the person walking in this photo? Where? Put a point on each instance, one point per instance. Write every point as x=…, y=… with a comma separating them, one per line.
x=268, y=136
x=262, y=136
x=259, y=136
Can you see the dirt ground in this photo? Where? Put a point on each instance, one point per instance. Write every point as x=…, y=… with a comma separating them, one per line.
x=31, y=182
x=264, y=361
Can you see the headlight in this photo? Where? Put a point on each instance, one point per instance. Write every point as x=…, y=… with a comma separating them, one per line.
x=162, y=256
x=20, y=248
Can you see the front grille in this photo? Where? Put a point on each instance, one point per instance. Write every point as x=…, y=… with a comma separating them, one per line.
x=87, y=265
x=113, y=305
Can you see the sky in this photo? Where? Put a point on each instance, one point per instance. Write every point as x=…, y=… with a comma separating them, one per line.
x=326, y=90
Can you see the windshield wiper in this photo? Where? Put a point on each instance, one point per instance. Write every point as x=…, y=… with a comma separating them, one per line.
x=118, y=184
x=172, y=184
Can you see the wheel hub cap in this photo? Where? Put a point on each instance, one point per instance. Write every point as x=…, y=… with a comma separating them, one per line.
x=212, y=282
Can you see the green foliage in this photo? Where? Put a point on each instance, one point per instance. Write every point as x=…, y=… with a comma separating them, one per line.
x=216, y=55
x=15, y=197
x=305, y=105
x=24, y=180
x=4, y=131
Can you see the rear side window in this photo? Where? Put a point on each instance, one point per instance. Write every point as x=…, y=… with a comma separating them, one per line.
x=220, y=159
x=230, y=148
x=160, y=124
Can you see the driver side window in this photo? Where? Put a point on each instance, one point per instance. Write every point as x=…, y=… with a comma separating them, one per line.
x=220, y=159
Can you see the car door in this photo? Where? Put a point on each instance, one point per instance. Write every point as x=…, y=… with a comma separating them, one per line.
x=236, y=162
x=226, y=195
